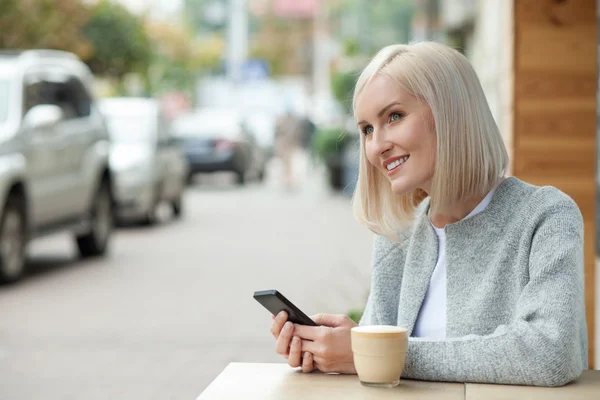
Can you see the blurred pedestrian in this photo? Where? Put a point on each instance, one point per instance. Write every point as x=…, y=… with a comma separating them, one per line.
x=308, y=134
x=288, y=141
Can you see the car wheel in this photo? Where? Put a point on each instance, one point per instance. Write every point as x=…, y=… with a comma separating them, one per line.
x=151, y=217
x=177, y=206
x=190, y=179
x=95, y=242
x=261, y=175
x=240, y=177
x=13, y=240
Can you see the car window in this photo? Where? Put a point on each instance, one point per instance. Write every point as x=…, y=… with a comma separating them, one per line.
x=80, y=97
x=130, y=128
x=67, y=92
x=207, y=126
x=33, y=92
x=4, y=99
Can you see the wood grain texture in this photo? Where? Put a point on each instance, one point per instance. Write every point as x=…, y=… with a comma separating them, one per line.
x=554, y=116
x=279, y=381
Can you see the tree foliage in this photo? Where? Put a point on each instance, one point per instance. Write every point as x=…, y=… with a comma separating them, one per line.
x=179, y=58
x=368, y=25
x=113, y=41
x=48, y=24
x=342, y=85
x=200, y=16
x=120, y=42
x=284, y=43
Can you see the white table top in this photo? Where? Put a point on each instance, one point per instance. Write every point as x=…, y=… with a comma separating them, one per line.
x=279, y=381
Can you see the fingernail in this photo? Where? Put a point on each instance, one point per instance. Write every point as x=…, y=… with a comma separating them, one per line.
x=306, y=354
x=288, y=326
x=296, y=340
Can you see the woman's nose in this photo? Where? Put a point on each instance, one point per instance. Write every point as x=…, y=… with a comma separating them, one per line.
x=382, y=143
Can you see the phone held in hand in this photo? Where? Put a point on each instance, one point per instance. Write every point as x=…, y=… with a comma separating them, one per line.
x=275, y=302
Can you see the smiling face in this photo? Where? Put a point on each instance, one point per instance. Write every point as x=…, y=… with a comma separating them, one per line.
x=399, y=134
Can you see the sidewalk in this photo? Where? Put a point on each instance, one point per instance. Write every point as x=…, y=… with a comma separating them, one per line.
x=310, y=177
x=305, y=243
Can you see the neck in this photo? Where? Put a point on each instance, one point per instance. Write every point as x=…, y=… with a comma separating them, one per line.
x=455, y=212
x=459, y=210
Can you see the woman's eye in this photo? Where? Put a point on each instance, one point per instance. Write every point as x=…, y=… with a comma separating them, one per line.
x=368, y=130
x=395, y=116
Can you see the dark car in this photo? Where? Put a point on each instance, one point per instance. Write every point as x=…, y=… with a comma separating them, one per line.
x=215, y=140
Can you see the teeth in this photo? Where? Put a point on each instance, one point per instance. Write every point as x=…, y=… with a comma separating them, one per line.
x=396, y=163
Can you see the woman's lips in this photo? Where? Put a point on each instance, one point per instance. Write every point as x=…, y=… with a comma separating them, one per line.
x=396, y=165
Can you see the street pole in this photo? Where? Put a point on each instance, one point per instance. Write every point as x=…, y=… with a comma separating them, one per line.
x=321, y=80
x=237, y=43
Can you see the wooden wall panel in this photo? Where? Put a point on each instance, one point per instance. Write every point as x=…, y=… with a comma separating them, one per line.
x=554, y=116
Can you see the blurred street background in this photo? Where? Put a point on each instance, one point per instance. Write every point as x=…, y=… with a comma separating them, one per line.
x=172, y=305
x=197, y=151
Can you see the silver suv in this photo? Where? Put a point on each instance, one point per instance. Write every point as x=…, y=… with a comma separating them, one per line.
x=54, y=149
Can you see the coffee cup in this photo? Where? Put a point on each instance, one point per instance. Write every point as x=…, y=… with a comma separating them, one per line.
x=379, y=354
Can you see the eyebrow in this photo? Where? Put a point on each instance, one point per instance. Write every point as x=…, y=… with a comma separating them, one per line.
x=383, y=110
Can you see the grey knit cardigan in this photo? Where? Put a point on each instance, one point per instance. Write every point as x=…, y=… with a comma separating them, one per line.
x=515, y=291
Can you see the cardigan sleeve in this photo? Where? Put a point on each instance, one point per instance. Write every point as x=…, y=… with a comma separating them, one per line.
x=546, y=342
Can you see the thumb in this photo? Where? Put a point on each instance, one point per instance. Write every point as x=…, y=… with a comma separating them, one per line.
x=330, y=320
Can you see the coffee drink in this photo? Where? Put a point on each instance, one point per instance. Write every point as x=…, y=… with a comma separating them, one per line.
x=379, y=354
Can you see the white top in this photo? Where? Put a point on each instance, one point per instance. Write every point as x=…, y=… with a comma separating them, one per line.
x=431, y=321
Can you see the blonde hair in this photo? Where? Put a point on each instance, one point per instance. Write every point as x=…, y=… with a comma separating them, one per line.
x=470, y=154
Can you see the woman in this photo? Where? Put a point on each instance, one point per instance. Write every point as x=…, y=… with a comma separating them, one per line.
x=488, y=278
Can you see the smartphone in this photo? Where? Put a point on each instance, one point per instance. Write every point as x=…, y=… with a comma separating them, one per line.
x=275, y=302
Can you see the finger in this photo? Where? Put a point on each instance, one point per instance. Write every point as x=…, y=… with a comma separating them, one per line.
x=282, y=316
x=295, y=358
x=307, y=362
x=283, y=341
x=327, y=365
x=278, y=322
x=308, y=332
x=312, y=347
x=328, y=319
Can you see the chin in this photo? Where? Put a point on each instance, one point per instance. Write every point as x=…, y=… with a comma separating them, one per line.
x=399, y=187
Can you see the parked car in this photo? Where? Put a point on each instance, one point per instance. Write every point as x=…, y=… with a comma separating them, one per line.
x=262, y=125
x=54, y=156
x=148, y=165
x=217, y=140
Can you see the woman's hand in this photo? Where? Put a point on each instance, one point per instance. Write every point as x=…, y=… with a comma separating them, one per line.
x=287, y=345
x=326, y=347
